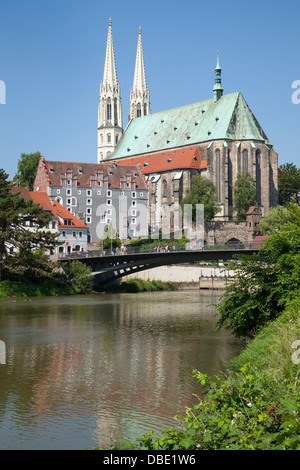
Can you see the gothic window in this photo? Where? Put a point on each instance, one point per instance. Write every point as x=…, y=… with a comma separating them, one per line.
x=218, y=174
x=101, y=138
x=258, y=176
x=108, y=138
x=138, y=111
x=229, y=178
x=245, y=161
x=117, y=138
x=164, y=188
x=108, y=110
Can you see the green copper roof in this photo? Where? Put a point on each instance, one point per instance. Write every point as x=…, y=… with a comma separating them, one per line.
x=228, y=118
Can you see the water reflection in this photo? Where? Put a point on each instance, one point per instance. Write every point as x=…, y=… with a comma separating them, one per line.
x=95, y=370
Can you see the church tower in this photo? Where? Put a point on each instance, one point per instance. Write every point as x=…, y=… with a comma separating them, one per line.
x=110, y=124
x=218, y=88
x=139, y=96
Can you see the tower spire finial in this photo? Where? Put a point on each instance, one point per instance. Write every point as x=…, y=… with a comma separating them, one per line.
x=139, y=96
x=218, y=88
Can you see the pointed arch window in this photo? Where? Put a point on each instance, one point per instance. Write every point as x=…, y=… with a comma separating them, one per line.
x=139, y=110
x=108, y=138
x=218, y=173
x=258, y=176
x=229, y=178
x=108, y=110
x=164, y=188
x=245, y=161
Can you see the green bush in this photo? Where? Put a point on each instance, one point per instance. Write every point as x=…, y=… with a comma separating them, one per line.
x=78, y=275
x=234, y=414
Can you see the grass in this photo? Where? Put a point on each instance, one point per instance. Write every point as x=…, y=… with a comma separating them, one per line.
x=140, y=285
x=271, y=354
x=30, y=289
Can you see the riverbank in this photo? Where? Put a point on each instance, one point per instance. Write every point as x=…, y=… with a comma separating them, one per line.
x=28, y=289
x=256, y=406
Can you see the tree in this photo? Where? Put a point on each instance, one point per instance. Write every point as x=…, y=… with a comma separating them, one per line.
x=244, y=193
x=202, y=191
x=288, y=184
x=276, y=219
x=264, y=282
x=79, y=275
x=109, y=239
x=22, y=250
x=27, y=166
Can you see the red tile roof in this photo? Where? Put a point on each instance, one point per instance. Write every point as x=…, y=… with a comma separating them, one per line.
x=57, y=210
x=60, y=211
x=83, y=172
x=186, y=158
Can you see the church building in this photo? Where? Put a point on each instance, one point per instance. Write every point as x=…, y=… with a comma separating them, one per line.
x=218, y=138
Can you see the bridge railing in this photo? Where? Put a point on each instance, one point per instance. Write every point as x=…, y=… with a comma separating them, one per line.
x=166, y=248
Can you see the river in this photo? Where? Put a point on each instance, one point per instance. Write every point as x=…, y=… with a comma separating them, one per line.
x=87, y=371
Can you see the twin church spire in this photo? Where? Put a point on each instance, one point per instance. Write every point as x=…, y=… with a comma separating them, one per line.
x=110, y=122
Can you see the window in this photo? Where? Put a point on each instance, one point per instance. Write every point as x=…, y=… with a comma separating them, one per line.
x=133, y=221
x=64, y=234
x=245, y=161
x=89, y=192
x=89, y=202
x=229, y=178
x=69, y=192
x=69, y=201
x=74, y=234
x=164, y=188
x=134, y=194
x=108, y=193
x=99, y=193
x=218, y=173
x=89, y=220
x=258, y=176
x=108, y=138
x=134, y=203
x=108, y=202
x=108, y=110
x=80, y=234
x=88, y=210
x=58, y=191
x=141, y=194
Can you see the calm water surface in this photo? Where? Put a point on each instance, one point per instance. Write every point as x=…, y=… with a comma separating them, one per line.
x=89, y=371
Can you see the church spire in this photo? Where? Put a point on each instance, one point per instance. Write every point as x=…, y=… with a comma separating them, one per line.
x=139, y=96
x=110, y=109
x=218, y=88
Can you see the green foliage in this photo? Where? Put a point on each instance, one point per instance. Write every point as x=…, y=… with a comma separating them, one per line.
x=288, y=184
x=202, y=191
x=233, y=414
x=15, y=215
x=27, y=166
x=276, y=219
x=264, y=282
x=271, y=352
x=244, y=194
x=109, y=239
x=141, y=285
x=79, y=276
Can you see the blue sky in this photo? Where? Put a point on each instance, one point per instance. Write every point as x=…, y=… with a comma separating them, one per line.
x=52, y=59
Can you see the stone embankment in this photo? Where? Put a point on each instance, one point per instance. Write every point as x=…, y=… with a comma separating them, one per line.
x=195, y=276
